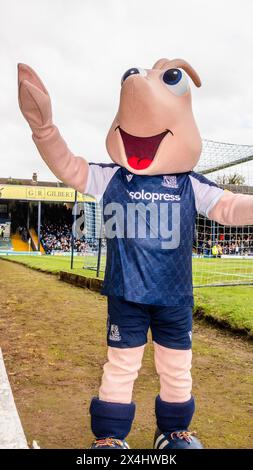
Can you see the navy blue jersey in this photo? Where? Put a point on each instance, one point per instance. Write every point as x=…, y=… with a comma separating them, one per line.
x=150, y=222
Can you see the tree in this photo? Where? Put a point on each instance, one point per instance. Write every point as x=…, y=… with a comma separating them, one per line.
x=10, y=180
x=231, y=179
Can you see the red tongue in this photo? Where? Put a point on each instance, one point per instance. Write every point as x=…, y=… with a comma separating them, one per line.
x=139, y=163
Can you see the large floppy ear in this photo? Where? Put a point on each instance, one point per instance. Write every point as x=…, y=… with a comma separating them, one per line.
x=179, y=63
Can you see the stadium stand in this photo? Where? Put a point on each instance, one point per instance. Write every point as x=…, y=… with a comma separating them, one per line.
x=34, y=240
x=18, y=244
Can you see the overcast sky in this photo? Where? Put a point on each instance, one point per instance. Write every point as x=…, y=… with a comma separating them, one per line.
x=81, y=48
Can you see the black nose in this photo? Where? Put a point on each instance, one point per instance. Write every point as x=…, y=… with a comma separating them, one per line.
x=132, y=71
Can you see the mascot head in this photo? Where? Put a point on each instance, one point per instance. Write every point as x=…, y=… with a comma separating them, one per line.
x=154, y=131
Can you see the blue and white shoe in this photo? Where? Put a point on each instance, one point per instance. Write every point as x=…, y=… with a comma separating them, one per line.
x=176, y=440
x=109, y=443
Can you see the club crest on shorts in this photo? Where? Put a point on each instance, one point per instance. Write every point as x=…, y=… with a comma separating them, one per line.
x=170, y=181
x=114, y=334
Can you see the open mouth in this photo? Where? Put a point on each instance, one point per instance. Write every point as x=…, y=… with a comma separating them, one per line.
x=141, y=151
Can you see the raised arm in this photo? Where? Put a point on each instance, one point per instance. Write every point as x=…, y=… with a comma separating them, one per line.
x=35, y=105
x=233, y=209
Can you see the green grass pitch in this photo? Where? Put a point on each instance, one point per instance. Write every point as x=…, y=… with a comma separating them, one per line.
x=230, y=304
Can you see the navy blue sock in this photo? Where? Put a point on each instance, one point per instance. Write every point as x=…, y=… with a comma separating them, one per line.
x=173, y=416
x=111, y=419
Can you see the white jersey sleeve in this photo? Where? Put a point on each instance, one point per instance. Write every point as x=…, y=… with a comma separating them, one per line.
x=206, y=193
x=99, y=177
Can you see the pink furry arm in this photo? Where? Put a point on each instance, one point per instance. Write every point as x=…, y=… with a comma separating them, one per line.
x=35, y=105
x=233, y=209
x=72, y=170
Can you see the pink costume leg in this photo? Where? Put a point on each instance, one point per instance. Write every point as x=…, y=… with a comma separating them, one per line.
x=174, y=406
x=119, y=375
x=173, y=367
x=113, y=412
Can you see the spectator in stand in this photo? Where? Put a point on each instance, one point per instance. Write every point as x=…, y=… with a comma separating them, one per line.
x=219, y=248
x=214, y=251
x=56, y=237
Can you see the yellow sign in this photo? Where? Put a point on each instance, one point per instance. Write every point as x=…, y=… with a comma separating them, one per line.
x=41, y=193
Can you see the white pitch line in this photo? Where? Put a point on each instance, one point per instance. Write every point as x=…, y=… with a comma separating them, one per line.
x=11, y=432
x=248, y=276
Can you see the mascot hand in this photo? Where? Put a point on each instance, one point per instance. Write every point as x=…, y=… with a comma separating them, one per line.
x=35, y=105
x=34, y=100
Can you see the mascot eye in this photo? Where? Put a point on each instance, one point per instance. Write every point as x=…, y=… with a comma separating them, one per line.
x=172, y=76
x=176, y=81
x=133, y=71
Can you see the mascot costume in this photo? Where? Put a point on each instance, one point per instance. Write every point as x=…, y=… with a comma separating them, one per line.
x=154, y=145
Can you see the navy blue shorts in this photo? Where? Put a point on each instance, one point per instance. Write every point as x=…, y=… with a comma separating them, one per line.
x=129, y=322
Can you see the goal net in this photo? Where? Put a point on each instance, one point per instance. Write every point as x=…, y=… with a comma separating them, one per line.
x=89, y=230
x=222, y=255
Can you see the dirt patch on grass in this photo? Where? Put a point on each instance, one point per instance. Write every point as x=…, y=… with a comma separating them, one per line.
x=53, y=339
